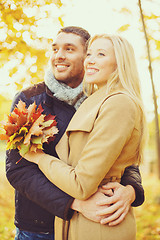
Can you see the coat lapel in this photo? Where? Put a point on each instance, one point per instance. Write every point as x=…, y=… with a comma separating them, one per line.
x=83, y=120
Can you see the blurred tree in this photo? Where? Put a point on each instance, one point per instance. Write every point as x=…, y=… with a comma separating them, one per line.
x=24, y=52
x=157, y=132
x=150, y=22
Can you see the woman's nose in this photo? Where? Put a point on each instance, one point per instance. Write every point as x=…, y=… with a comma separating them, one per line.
x=91, y=60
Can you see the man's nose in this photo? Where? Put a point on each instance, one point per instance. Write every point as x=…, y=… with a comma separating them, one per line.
x=60, y=54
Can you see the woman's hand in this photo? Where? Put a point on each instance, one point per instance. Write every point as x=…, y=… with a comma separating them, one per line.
x=118, y=204
x=34, y=156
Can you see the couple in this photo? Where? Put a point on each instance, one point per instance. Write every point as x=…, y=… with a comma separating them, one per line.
x=104, y=137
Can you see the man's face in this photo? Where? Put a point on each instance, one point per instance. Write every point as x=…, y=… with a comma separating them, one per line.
x=68, y=58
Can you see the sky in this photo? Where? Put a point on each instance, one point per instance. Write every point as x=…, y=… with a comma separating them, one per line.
x=104, y=16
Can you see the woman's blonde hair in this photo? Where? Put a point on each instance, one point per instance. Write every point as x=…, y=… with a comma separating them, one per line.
x=125, y=78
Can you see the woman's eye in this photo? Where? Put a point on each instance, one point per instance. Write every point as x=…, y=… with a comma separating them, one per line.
x=101, y=54
x=88, y=54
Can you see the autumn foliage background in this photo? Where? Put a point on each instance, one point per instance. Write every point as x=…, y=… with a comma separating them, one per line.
x=25, y=48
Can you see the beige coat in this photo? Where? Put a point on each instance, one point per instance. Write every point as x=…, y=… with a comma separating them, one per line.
x=102, y=140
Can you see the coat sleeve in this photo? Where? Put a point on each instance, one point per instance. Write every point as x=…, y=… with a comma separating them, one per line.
x=132, y=177
x=112, y=129
x=27, y=178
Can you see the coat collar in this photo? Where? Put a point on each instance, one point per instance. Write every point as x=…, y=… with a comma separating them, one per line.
x=84, y=118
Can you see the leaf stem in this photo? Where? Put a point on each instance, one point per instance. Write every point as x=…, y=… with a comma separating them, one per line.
x=19, y=160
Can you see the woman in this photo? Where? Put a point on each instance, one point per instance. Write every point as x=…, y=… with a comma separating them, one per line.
x=104, y=137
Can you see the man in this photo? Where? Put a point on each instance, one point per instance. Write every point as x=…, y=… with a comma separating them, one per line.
x=37, y=200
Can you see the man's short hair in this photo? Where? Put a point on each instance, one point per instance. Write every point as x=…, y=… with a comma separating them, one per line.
x=84, y=34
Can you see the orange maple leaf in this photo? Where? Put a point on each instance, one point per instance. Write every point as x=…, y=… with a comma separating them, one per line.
x=22, y=106
x=27, y=128
x=36, y=129
x=10, y=128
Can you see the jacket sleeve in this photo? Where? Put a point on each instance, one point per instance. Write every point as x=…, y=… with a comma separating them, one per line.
x=132, y=177
x=104, y=144
x=27, y=178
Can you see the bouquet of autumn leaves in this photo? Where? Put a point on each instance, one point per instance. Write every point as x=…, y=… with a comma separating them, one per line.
x=27, y=128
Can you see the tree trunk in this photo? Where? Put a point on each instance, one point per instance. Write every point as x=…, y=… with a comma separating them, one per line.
x=153, y=89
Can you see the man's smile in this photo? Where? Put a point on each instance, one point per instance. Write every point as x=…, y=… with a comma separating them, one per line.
x=61, y=67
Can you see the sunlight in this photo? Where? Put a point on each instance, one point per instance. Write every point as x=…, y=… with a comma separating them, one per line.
x=104, y=16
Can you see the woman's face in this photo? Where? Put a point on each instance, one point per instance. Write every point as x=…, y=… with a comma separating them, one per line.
x=100, y=62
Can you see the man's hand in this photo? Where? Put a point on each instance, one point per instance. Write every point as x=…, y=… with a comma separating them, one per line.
x=89, y=207
x=118, y=204
x=110, y=204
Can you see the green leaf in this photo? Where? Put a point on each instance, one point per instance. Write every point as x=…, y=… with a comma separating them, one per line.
x=23, y=149
x=36, y=140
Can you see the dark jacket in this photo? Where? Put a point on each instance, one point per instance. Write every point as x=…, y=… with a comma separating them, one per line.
x=37, y=200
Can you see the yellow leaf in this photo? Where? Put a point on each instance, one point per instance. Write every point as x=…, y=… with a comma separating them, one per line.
x=123, y=28
x=19, y=86
x=12, y=137
x=61, y=21
x=12, y=144
x=23, y=131
x=13, y=71
x=58, y=3
x=125, y=10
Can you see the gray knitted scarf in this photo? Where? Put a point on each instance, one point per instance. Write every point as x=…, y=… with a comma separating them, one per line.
x=72, y=96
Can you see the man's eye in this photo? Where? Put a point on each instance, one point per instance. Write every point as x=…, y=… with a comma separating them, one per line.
x=69, y=49
x=55, y=50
